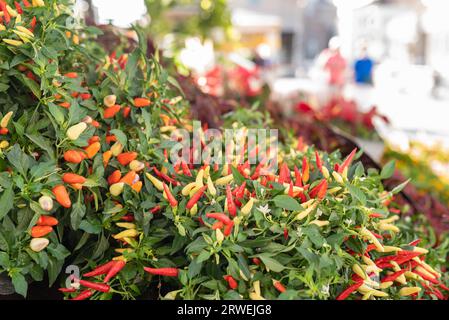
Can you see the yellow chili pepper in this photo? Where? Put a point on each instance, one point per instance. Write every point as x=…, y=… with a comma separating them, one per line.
x=116, y=148
x=155, y=181
x=338, y=178
x=186, y=190
x=409, y=291
x=117, y=188
x=210, y=186
x=359, y=271
x=5, y=119
x=126, y=225
x=76, y=130
x=12, y=42
x=246, y=209
x=199, y=178
x=130, y=233
x=224, y=180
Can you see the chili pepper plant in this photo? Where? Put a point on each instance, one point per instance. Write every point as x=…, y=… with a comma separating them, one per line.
x=87, y=183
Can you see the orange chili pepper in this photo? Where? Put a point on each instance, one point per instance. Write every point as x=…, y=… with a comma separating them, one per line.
x=73, y=178
x=40, y=231
x=141, y=102
x=114, y=177
x=62, y=196
x=126, y=157
x=92, y=149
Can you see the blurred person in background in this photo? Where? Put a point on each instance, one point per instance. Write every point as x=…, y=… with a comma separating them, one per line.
x=363, y=68
x=335, y=64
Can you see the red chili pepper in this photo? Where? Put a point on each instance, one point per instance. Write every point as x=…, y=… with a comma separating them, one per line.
x=414, y=243
x=285, y=233
x=127, y=218
x=370, y=247
x=103, y=269
x=256, y=261
x=284, y=174
x=231, y=282
x=26, y=3
x=279, y=286
x=171, y=199
x=305, y=170
x=347, y=161
x=393, y=276
x=165, y=177
x=240, y=190
x=378, y=236
x=220, y=217
x=84, y=295
x=168, y=272
x=95, y=285
x=442, y=286
x=426, y=277
x=228, y=229
x=185, y=169
x=6, y=15
x=376, y=215
x=67, y=289
x=319, y=191
x=349, y=290
x=230, y=201
x=403, y=259
x=290, y=190
x=396, y=211
x=319, y=163
x=195, y=198
x=18, y=7
x=155, y=209
x=33, y=23
x=298, y=177
x=116, y=268
x=438, y=293
x=217, y=225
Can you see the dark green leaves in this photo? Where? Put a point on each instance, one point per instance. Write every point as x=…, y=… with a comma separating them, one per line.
x=286, y=202
x=19, y=159
x=19, y=282
x=271, y=263
x=6, y=202
x=77, y=214
x=388, y=170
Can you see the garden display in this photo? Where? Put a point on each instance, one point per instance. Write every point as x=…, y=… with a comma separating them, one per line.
x=427, y=165
x=345, y=115
x=91, y=200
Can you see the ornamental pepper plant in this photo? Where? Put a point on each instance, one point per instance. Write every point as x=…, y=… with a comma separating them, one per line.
x=87, y=182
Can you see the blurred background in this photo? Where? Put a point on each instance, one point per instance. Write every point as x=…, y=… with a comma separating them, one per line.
x=376, y=71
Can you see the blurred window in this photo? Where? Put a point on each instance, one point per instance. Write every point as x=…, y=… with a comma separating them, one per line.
x=287, y=38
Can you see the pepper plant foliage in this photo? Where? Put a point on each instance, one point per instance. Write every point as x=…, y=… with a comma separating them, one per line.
x=91, y=131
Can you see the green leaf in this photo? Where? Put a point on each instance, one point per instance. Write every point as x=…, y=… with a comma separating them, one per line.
x=32, y=85
x=19, y=159
x=77, y=214
x=314, y=235
x=20, y=284
x=271, y=263
x=6, y=202
x=121, y=137
x=357, y=194
x=286, y=202
x=388, y=170
x=400, y=187
x=56, y=112
x=4, y=260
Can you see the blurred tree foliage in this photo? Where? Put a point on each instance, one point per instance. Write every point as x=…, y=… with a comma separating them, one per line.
x=193, y=17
